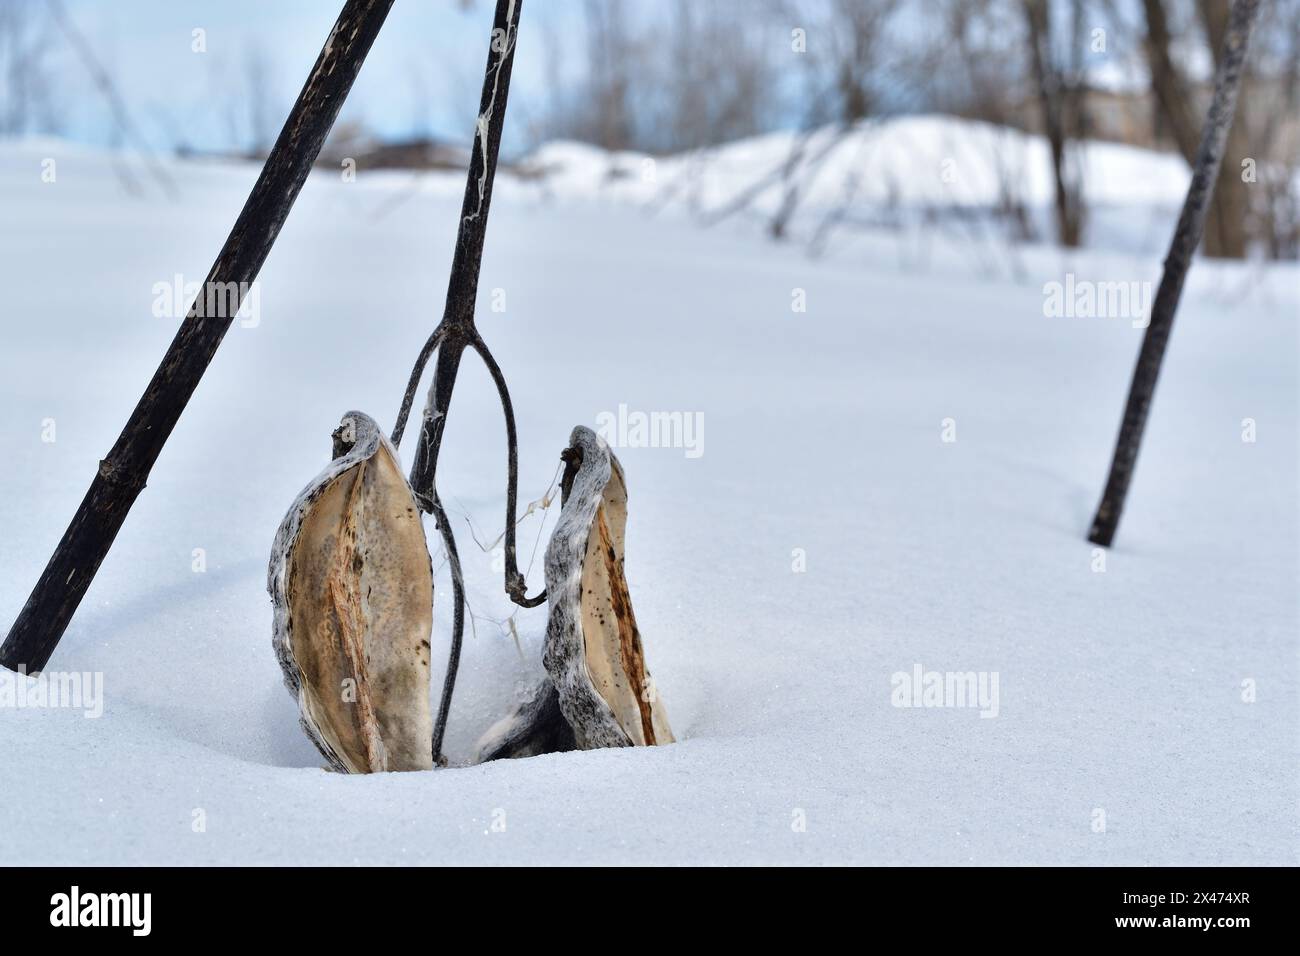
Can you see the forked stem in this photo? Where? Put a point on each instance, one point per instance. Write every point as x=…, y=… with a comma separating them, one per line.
x=456, y=331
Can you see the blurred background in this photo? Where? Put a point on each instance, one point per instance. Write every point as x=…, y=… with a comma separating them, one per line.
x=661, y=77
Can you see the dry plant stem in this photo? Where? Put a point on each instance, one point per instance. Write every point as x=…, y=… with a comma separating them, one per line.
x=413, y=385
x=458, y=627
x=456, y=332
x=1187, y=236
x=516, y=587
x=123, y=473
x=515, y=584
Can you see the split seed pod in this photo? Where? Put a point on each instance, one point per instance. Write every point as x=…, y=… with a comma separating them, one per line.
x=593, y=650
x=351, y=583
x=535, y=726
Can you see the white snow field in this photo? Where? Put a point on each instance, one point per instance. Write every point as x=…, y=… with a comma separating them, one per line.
x=1145, y=714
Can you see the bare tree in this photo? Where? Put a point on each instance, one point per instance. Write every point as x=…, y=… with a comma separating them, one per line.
x=1060, y=87
x=845, y=65
x=26, y=73
x=717, y=76
x=610, y=61
x=856, y=34
x=975, y=70
x=1168, y=86
x=1226, y=229
x=1276, y=141
x=688, y=77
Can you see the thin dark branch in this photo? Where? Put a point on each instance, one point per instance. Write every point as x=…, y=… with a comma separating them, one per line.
x=516, y=587
x=1187, y=236
x=458, y=626
x=413, y=385
x=122, y=475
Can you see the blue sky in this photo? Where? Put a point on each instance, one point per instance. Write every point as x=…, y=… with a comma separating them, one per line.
x=423, y=73
x=422, y=76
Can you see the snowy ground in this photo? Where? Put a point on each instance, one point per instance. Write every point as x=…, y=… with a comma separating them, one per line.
x=1120, y=692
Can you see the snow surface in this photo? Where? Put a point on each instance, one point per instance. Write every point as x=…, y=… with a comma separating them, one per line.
x=1119, y=692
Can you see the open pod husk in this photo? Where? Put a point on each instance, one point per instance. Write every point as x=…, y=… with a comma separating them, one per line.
x=594, y=656
x=535, y=726
x=351, y=583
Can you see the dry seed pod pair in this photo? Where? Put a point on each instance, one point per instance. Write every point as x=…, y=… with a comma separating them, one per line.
x=352, y=588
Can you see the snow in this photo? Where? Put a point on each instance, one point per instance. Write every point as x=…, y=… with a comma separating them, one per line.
x=887, y=156
x=1119, y=692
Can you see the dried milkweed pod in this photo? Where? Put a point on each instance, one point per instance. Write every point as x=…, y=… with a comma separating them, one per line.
x=352, y=587
x=535, y=726
x=593, y=652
